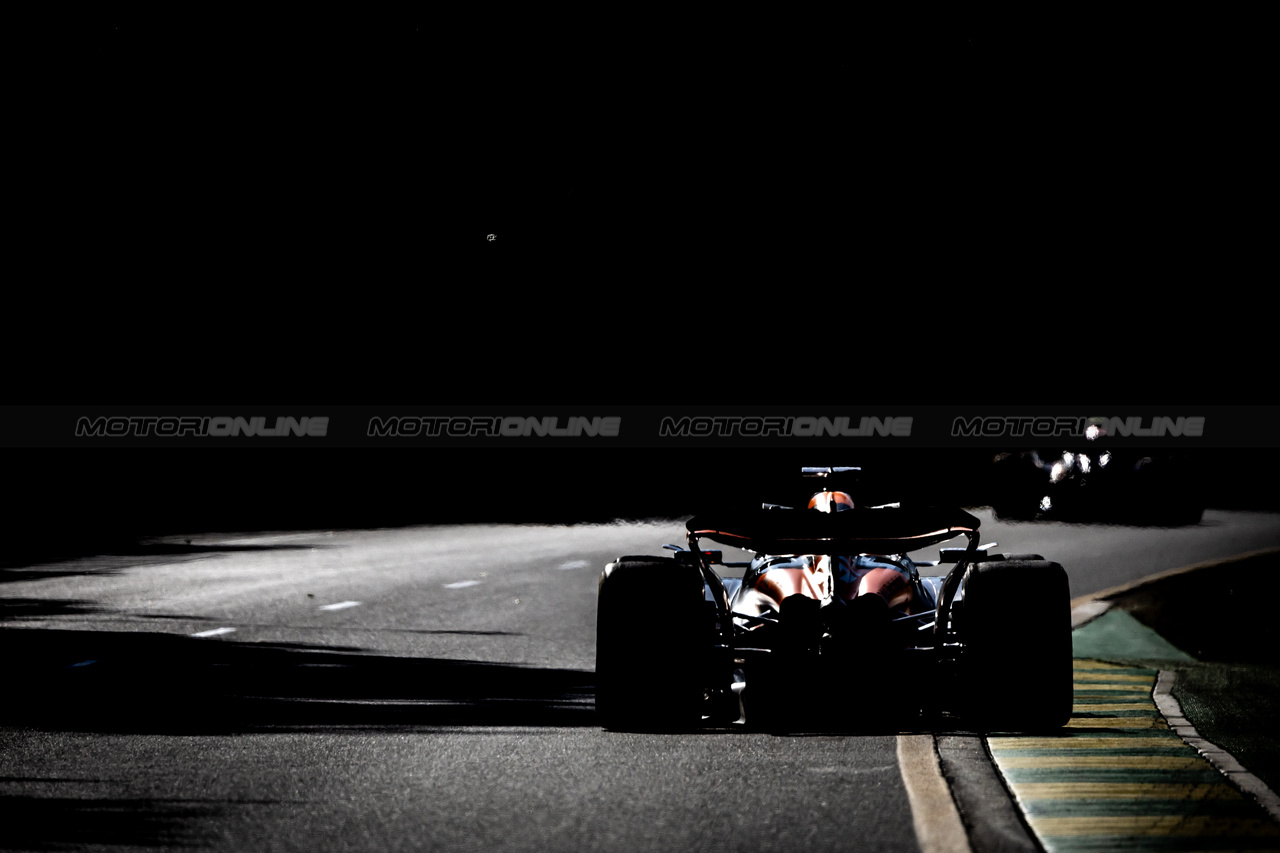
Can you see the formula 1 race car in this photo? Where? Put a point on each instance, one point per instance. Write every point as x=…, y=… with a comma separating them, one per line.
x=832, y=626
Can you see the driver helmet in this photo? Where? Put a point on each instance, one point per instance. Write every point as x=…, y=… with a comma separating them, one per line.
x=830, y=501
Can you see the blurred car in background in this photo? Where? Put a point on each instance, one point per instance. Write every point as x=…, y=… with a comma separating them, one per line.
x=1119, y=486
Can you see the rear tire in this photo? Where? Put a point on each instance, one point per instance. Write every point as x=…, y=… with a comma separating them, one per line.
x=1015, y=630
x=654, y=637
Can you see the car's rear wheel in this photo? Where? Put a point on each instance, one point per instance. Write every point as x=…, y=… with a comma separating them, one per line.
x=1014, y=626
x=654, y=640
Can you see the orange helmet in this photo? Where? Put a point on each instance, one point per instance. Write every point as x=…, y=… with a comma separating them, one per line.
x=829, y=501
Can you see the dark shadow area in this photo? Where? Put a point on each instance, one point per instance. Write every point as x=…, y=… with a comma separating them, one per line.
x=1231, y=693
x=103, y=502
x=1212, y=613
x=11, y=608
x=15, y=568
x=112, y=555
x=99, y=501
x=104, y=681
x=61, y=823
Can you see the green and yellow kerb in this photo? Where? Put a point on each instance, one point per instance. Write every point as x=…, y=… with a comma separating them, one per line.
x=1117, y=778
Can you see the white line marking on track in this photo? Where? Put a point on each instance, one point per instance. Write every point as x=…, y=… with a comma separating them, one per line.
x=461, y=584
x=573, y=564
x=933, y=811
x=215, y=632
x=341, y=605
x=1088, y=611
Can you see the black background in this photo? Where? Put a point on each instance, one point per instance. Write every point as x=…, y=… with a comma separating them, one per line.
x=733, y=209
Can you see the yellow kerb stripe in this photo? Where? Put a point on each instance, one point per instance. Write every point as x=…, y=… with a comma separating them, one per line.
x=1131, y=762
x=1203, y=825
x=1116, y=723
x=1002, y=743
x=1126, y=791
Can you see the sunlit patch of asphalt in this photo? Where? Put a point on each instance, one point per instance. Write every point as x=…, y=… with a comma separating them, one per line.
x=214, y=632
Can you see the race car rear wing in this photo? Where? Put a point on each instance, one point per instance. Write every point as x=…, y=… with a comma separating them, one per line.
x=875, y=531
x=887, y=530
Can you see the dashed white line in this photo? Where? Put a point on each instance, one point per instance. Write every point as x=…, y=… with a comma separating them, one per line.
x=461, y=584
x=573, y=564
x=215, y=632
x=341, y=605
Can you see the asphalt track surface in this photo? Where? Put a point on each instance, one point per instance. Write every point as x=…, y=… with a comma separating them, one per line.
x=421, y=688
